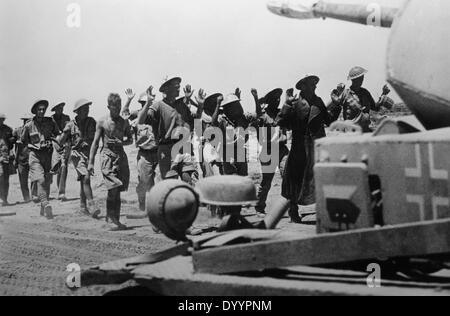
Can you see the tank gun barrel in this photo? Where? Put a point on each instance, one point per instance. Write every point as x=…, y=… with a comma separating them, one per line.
x=370, y=14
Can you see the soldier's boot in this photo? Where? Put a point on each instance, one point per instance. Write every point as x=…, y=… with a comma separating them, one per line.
x=294, y=215
x=93, y=210
x=116, y=216
x=118, y=225
x=34, y=194
x=83, y=206
x=48, y=212
x=141, y=199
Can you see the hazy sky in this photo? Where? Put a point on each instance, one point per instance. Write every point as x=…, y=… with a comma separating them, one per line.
x=214, y=44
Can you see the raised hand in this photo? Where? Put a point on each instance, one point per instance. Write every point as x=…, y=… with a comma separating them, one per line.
x=130, y=94
x=200, y=98
x=188, y=92
x=335, y=97
x=219, y=100
x=237, y=92
x=290, y=96
x=255, y=93
x=150, y=95
x=386, y=90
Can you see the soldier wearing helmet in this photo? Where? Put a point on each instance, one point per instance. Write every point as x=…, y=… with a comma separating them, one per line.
x=340, y=96
x=39, y=134
x=61, y=154
x=22, y=154
x=79, y=135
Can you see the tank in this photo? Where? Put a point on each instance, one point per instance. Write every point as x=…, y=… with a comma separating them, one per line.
x=382, y=198
x=418, y=54
x=399, y=174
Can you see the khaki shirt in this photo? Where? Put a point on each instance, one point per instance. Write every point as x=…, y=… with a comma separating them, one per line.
x=6, y=143
x=61, y=121
x=81, y=133
x=22, y=151
x=39, y=135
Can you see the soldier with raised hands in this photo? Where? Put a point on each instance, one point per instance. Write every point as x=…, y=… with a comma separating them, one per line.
x=229, y=116
x=269, y=133
x=342, y=97
x=147, y=158
x=173, y=120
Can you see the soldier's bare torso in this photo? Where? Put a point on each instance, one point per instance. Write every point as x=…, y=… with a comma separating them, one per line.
x=114, y=131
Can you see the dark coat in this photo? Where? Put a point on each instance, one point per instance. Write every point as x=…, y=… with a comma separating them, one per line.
x=307, y=120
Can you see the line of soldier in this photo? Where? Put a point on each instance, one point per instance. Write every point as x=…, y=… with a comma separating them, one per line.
x=60, y=139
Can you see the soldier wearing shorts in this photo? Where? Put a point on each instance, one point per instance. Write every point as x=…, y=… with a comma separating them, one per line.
x=79, y=135
x=22, y=155
x=115, y=133
x=38, y=134
x=61, y=153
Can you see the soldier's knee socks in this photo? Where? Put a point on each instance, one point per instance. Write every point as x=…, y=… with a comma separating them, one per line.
x=42, y=193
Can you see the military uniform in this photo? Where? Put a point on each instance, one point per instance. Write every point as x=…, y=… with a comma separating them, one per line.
x=235, y=138
x=23, y=167
x=354, y=109
x=307, y=119
x=6, y=144
x=264, y=125
x=211, y=162
x=364, y=98
x=81, y=135
x=38, y=135
x=147, y=161
x=184, y=165
x=167, y=119
x=61, y=155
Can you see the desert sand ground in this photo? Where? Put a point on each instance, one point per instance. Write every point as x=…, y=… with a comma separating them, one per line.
x=34, y=252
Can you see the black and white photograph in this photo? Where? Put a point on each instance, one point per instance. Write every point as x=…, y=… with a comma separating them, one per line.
x=224, y=153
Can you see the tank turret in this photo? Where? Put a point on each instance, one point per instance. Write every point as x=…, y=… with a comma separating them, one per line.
x=418, y=56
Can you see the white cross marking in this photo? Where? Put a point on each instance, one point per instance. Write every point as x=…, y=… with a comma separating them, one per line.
x=417, y=171
x=439, y=201
x=436, y=174
x=419, y=200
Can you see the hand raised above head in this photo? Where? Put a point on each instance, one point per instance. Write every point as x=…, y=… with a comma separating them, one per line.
x=237, y=93
x=188, y=92
x=219, y=100
x=150, y=95
x=200, y=98
x=130, y=94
